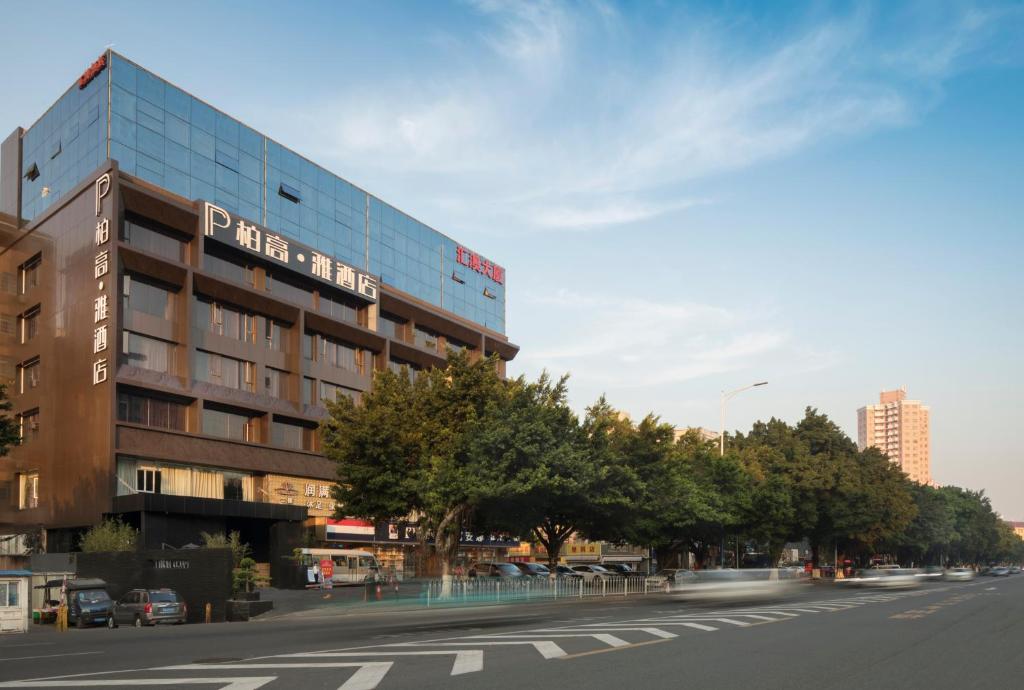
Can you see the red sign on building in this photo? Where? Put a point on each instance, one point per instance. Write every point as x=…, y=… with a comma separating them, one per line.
x=94, y=69
x=479, y=264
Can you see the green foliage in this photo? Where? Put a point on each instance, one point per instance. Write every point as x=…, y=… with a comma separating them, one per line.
x=109, y=535
x=9, y=435
x=245, y=577
x=233, y=541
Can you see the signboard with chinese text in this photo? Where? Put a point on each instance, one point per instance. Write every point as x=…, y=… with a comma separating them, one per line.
x=470, y=259
x=241, y=233
x=101, y=272
x=315, y=494
x=355, y=530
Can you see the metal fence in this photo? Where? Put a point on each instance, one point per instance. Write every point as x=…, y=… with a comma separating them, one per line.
x=495, y=589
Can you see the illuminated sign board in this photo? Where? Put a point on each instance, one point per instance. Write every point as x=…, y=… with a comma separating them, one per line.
x=479, y=264
x=241, y=233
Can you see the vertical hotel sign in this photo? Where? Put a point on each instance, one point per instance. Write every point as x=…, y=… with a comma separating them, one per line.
x=100, y=272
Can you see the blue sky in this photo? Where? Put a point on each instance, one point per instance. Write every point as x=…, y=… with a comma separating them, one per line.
x=687, y=197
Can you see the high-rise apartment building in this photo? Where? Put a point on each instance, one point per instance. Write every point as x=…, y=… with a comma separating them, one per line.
x=899, y=428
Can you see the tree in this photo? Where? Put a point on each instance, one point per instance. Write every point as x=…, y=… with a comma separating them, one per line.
x=9, y=430
x=233, y=541
x=554, y=487
x=109, y=535
x=411, y=449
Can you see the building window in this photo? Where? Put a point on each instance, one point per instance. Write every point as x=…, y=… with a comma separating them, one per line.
x=28, y=375
x=276, y=383
x=234, y=486
x=309, y=391
x=146, y=295
x=235, y=271
x=147, y=480
x=392, y=327
x=153, y=238
x=336, y=353
x=225, y=371
x=291, y=435
x=341, y=308
x=288, y=290
x=28, y=274
x=331, y=392
x=147, y=410
x=28, y=324
x=9, y=593
x=425, y=338
x=149, y=353
x=28, y=426
x=234, y=425
x=398, y=366
x=458, y=345
x=28, y=490
x=274, y=334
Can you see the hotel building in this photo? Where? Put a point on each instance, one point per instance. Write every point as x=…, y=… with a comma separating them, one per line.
x=180, y=294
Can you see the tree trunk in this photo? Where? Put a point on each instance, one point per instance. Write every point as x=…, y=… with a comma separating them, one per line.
x=446, y=542
x=552, y=536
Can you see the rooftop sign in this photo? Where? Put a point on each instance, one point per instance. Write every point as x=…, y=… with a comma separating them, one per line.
x=243, y=234
x=94, y=69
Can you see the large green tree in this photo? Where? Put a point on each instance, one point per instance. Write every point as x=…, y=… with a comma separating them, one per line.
x=413, y=449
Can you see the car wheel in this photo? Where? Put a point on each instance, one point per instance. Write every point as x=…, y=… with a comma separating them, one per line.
x=111, y=623
x=138, y=622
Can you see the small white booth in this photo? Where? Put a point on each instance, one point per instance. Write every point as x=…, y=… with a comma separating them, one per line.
x=15, y=603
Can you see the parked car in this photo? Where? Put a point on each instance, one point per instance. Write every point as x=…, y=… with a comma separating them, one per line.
x=141, y=607
x=673, y=576
x=533, y=569
x=567, y=572
x=958, y=575
x=595, y=572
x=88, y=602
x=623, y=569
x=495, y=570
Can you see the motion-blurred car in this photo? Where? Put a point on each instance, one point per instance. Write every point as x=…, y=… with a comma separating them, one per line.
x=672, y=576
x=884, y=578
x=737, y=585
x=595, y=572
x=959, y=575
x=567, y=572
x=1015, y=570
x=495, y=570
x=533, y=569
x=999, y=571
x=931, y=572
x=623, y=569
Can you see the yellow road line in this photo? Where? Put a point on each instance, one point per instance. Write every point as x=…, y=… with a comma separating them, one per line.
x=612, y=649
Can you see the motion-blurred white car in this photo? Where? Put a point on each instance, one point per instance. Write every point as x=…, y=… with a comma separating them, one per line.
x=959, y=575
x=737, y=585
x=884, y=578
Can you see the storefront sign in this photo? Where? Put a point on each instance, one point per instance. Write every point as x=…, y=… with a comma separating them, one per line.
x=168, y=564
x=313, y=493
x=101, y=268
x=582, y=549
x=243, y=234
x=355, y=530
x=479, y=264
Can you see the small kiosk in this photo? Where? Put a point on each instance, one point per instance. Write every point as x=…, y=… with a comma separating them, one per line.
x=15, y=603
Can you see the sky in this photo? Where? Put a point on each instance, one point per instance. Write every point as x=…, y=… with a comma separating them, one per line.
x=687, y=197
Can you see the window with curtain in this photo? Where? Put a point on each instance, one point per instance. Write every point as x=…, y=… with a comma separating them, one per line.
x=149, y=353
x=148, y=296
x=138, y=408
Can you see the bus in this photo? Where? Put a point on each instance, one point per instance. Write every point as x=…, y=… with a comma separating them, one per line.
x=351, y=566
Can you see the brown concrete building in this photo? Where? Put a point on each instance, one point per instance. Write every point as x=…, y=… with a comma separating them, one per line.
x=900, y=429
x=167, y=356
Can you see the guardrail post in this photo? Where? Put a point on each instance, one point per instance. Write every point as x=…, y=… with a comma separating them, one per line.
x=498, y=588
x=604, y=587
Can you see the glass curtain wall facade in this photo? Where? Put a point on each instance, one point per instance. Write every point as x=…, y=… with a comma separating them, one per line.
x=161, y=134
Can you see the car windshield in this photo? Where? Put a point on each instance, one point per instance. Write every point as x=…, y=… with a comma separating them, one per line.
x=92, y=596
x=163, y=597
x=537, y=567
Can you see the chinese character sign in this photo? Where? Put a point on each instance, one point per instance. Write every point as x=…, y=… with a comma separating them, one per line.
x=221, y=226
x=474, y=261
x=101, y=269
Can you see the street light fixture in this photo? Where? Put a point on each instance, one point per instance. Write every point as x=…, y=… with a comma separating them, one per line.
x=726, y=397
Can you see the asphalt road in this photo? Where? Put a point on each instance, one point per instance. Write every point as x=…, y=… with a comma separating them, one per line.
x=942, y=635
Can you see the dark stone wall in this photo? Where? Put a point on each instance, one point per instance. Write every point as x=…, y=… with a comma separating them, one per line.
x=205, y=579
x=285, y=537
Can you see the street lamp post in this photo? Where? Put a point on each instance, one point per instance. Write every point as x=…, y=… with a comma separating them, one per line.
x=726, y=397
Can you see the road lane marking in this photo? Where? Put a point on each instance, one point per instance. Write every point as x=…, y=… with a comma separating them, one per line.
x=613, y=649
x=242, y=683
x=368, y=675
x=607, y=626
x=48, y=656
x=466, y=660
x=547, y=648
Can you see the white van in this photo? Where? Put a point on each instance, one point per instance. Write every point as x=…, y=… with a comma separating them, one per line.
x=351, y=566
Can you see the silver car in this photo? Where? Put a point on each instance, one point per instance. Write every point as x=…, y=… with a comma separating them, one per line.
x=140, y=607
x=958, y=575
